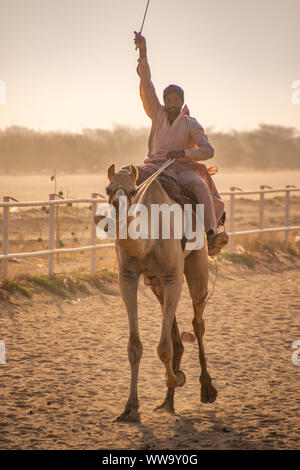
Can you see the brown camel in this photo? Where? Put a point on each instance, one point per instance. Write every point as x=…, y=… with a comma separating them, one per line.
x=165, y=263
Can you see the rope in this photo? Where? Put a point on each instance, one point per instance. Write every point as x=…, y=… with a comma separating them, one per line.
x=154, y=175
x=119, y=308
x=116, y=279
x=115, y=265
x=214, y=283
x=149, y=180
x=216, y=276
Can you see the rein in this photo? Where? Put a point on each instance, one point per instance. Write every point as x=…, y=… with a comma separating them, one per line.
x=147, y=182
x=155, y=175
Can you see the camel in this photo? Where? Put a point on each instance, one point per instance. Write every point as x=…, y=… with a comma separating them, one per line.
x=165, y=263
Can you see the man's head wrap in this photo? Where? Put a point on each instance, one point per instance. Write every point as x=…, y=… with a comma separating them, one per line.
x=174, y=89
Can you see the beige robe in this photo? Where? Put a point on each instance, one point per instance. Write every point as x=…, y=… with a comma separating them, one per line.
x=185, y=133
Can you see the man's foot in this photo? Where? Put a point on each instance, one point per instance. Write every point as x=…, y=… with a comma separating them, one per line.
x=215, y=242
x=222, y=220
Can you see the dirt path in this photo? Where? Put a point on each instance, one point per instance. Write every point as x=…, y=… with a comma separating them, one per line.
x=66, y=376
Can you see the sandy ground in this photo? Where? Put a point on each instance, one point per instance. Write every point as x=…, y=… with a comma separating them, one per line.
x=66, y=377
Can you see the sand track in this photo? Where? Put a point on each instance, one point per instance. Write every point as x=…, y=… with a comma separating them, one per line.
x=66, y=376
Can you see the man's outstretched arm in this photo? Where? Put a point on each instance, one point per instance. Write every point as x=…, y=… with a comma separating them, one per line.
x=147, y=91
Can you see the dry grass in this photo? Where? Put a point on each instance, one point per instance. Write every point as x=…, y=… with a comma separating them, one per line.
x=13, y=286
x=243, y=258
x=271, y=243
x=67, y=286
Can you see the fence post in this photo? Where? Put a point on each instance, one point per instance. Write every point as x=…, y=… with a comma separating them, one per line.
x=287, y=217
x=51, y=235
x=93, y=236
x=262, y=208
x=5, y=239
x=231, y=222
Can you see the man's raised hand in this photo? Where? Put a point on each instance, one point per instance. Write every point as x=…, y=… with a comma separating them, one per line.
x=139, y=41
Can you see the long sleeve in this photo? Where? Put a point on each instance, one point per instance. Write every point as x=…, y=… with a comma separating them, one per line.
x=202, y=150
x=147, y=91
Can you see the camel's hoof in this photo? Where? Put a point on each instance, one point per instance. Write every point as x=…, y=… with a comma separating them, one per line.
x=208, y=393
x=129, y=416
x=165, y=406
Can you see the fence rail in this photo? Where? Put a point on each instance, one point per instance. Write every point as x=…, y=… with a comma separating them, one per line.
x=52, y=202
x=235, y=191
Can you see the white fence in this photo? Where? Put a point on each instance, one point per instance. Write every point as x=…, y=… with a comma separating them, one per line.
x=51, y=239
x=233, y=193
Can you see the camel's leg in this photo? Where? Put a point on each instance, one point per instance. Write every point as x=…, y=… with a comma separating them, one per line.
x=168, y=403
x=128, y=282
x=172, y=291
x=178, y=349
x=196, y=272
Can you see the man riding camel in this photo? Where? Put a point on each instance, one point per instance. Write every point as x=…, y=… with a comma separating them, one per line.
x=174, y=134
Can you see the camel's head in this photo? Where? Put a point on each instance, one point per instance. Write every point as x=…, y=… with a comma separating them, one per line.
x=121, y=183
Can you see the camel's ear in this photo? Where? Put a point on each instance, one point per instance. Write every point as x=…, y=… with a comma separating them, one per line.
x=134, y=173
x=111, y=171
x=97, y=219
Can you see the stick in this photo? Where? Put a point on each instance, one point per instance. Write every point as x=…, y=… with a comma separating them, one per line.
x=144, y=17
x=143, y=20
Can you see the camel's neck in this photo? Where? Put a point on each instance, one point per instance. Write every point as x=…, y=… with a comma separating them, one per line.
x=134, y=235
x=136, y=247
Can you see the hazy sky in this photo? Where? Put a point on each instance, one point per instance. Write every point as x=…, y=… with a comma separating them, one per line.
x=71, y=64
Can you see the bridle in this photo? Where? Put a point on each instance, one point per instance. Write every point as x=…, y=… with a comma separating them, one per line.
x=128, y=195
x=145, y=184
